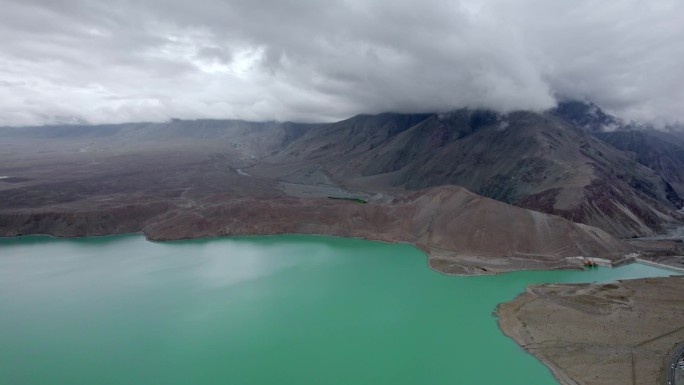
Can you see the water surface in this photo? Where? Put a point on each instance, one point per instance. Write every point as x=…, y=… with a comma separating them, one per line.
x=263, y=310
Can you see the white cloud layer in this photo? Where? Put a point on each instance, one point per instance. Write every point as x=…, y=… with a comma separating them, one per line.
x=312, y=60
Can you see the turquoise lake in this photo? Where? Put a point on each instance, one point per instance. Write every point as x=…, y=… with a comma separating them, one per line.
x=258, y=310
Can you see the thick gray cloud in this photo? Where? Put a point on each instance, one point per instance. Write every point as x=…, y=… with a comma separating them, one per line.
x=311, y=60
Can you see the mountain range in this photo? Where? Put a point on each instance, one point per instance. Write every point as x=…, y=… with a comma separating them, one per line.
x=480, y=191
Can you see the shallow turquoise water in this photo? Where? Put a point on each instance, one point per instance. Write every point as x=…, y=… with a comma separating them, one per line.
x=262, y=310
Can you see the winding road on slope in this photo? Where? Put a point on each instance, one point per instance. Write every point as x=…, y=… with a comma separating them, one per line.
x=672, y=365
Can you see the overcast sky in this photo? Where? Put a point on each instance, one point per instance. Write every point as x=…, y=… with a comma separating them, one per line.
x=313, y=60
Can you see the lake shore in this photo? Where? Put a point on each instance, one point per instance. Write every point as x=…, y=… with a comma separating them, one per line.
x=462, y=233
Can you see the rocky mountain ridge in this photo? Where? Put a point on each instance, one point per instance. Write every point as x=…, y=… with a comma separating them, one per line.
x=532, y=160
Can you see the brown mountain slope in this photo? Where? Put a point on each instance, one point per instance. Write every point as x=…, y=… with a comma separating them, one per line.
x=531, y=160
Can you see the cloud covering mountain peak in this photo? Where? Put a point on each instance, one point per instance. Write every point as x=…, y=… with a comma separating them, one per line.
x=312, y=61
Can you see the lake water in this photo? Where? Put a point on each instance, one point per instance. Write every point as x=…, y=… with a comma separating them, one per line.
x=264, y=310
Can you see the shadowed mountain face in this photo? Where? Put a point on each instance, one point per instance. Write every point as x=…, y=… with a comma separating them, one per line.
x=186, y=179
x=661, y=151
x=536, y=161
